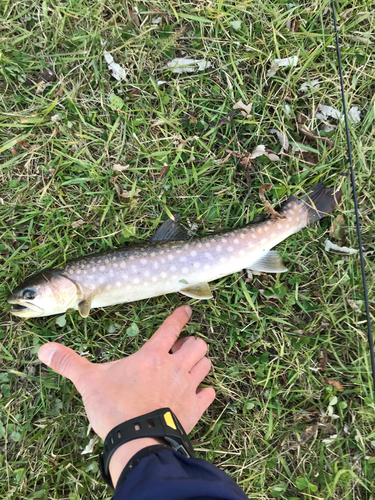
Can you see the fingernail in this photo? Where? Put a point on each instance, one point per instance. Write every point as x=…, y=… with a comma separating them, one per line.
x=188, y=311
x=45, y=353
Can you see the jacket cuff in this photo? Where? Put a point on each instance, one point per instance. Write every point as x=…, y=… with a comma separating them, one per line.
x=149, y=450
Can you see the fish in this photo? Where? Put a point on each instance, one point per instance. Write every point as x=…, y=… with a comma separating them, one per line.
x=170, y=262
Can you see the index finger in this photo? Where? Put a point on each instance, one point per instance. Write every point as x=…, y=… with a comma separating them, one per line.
x=167, y=334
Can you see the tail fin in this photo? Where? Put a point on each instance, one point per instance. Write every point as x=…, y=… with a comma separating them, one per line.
x=314, y=206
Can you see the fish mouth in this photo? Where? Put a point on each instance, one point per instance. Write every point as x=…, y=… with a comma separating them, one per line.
x=24, y=310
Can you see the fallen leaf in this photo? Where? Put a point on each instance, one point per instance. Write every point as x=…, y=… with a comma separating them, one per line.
x=293, y=24
x=23, y=144
x=268, y=207
x=235, y=24
x=119, y=167
x=118, y=71
x=313, y=84
x=262, y=151
x=337, y=227
x=184, y=65
x=245, y=108
x=48, y=76
x=60, y=91
x=276, y=64
x=327, y=111
x=161, y=82
x=164, y=170
x=56, y=118
x=90, y=446
x=40, y=87
x=116, y=102
x=124, y=194
x=13, y=150
x=311, y=135
x=283, y=139
x=354, y=304
x=78, y=223
x=156, y=20
x=323, y=360
x=334, y=383
x=227, y=119
x=328, y=246
x=308, y=434
x=354, y=115
x=134, y=17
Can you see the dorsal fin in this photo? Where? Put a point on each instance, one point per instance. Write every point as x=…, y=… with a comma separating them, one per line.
x=170, y=230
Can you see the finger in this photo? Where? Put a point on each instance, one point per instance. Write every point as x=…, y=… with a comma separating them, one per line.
x=206, y=397
x=200, y=370
x=167, y=334
x=64, y=361
x=178, y=344
x=191, y=352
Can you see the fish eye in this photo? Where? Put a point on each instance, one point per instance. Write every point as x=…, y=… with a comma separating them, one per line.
x=28, y=294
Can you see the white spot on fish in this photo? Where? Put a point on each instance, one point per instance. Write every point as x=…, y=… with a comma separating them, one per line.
x=162, y=252
x=242, y=236
x=78, y=271
x=163, y=275
x=146, y=273
x=208, y=255
x=170, y=257
x=154, y=278
x=199, y=245
x=143, y=261
x=263, y=240
x=131, y=257
x=207, y=244
x=250, y=245
x=193, y=253
x=218, y=248
x=178, y=251
x=182, y=259
x=156, y=265
x=123, y=265
x=222, y=259
x=196, y=264
x=230, y=249
x=136, y=280
x=173, y=268
x=163, y=261
x=236, y=241
x=153, y=254
x=108, y=287
x=102, y=268
x=242, y=252
x=118, y=284
x=185, y=270
x=287, y=225
x=207, y=267
x=101, y=280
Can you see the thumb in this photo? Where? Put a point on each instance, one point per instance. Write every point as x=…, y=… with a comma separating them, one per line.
x=64, y=361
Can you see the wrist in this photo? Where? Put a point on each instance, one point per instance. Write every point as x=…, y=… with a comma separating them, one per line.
x=126, y=451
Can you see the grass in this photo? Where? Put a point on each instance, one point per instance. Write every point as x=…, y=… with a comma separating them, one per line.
x=266, y=337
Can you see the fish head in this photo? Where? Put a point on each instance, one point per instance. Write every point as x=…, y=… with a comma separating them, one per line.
x=44, y=294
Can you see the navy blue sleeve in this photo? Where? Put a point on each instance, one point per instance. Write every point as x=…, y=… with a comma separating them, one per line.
x=168, y=475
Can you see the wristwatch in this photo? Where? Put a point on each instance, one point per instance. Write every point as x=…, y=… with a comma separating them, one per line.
x=161, y=423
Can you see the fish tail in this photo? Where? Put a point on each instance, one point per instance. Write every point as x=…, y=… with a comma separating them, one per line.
x=312, y=207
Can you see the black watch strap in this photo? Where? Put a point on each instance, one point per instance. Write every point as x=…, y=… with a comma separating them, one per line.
x=161, y=423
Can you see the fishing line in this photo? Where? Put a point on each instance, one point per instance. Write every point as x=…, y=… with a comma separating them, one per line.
x=369, y=332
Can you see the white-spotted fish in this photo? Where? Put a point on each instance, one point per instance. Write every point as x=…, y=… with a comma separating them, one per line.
x=168, y=263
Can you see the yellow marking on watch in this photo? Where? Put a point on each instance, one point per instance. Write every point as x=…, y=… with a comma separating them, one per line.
x=169, y=420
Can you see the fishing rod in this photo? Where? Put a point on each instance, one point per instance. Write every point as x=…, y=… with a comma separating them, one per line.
x=369, y=332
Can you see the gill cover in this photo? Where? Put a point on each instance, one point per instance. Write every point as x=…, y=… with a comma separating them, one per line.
x=44, y=294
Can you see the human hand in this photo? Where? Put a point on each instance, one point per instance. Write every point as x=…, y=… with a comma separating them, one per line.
x=147, y=380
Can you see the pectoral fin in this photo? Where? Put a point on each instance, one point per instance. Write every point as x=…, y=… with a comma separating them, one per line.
x=199, y=291
x=84, y=307
x=270, y=262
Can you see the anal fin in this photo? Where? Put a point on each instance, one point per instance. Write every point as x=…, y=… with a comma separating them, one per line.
x=270, y=262
x=200, y=291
